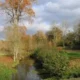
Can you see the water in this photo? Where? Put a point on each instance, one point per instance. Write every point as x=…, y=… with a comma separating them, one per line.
x=26, y=71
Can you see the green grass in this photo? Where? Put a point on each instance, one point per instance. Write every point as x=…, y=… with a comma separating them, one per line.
x=73, y=55
x=5, y=72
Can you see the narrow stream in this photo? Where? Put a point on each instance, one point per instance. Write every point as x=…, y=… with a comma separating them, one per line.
x=26, y=71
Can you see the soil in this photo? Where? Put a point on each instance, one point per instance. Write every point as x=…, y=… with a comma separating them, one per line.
x=6, y=60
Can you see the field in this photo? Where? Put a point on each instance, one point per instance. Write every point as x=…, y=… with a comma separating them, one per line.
x=74, y=57
x=73, y=54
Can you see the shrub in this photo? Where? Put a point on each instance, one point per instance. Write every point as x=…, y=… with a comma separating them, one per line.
x=74, y=72
x=52, y=62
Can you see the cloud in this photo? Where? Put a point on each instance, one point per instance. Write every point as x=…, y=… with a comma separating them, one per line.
x=58, y=10
x=49, y=11
x=1, y=28
x=36, y=26
x=71, y=4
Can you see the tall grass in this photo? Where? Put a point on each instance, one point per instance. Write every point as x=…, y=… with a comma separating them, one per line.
x=5, y=72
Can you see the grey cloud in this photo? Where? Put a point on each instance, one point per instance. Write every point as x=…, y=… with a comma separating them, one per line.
x=48, y=11
x=59, y=10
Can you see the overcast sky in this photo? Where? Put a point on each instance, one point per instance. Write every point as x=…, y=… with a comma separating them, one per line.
x=50, y=11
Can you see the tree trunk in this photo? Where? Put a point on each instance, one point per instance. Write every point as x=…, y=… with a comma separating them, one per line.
x=16, y=38
x=16, y=51
x=14, y=55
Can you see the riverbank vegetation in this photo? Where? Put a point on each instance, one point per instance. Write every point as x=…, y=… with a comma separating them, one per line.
x=6, y=69
x=56, y=65
x=6, y=72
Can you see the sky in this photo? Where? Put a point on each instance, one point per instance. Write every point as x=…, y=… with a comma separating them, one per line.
x=48, y=12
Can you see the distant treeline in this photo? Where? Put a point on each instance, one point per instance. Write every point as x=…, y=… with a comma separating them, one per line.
x=16, y=38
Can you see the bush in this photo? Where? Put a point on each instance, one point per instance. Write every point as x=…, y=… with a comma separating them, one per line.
x=74, y=72
x=52, y=62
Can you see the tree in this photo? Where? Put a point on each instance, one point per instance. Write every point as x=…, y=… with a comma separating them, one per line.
x=77, y=36
x=64, y=29
x=40, y=38
x=70, y=39
x=15, y=41
x=77, y=32
x=16, y=10
x=55, y=35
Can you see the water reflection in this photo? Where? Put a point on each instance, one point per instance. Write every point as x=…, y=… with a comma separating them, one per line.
x=26, y=71
x=32, y=74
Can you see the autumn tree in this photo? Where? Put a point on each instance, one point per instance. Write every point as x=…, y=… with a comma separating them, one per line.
x=40, y=38
x=16, y=11
x=16, y=43
x=30, y=43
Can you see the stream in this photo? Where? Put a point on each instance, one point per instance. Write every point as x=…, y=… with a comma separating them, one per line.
x=26, y=71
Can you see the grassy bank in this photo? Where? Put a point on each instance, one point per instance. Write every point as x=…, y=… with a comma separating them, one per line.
x=5, y=72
